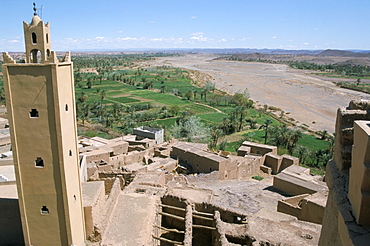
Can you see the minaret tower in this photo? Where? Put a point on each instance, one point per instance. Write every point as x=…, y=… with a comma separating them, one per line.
x=41, y=109
x=36, y=37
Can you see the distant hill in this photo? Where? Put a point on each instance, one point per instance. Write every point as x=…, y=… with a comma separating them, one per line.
x=342, y=53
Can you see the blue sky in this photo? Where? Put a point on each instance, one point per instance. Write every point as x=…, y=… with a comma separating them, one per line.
x=130, y=24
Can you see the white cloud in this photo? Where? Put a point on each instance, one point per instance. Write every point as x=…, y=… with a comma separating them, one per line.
x=197, y=33
x=290, y=40
x=244, y=39
x=274, y=37
x=99, y=38
x=13, y=41
x=199, y=38
x=120, y=31
x=306, y=43
x=222, y=40
x=193, y=17
x=151, y=22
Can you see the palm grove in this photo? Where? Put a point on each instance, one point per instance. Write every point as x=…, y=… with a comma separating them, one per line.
x=121, y=95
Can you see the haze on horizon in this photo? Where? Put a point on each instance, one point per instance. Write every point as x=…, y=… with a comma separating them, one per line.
x=169, y=24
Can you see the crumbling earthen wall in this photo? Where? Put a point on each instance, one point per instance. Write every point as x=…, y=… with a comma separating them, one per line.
x=94, y=212
x=118, y=148
x=291, y=205
x=359, y=176
x=97, y=155
x=137, y=156
x=288, y=161
x=97, y=214
x=273, y=161
x=125, y=178
x=201, y=161
x=186, y=223
x=240, y=167
x=357, y=110
x=293, y=186
x=260, y=149
x=303, y=208
x=339, y=223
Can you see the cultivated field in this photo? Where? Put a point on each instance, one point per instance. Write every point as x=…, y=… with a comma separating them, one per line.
x=308, y=99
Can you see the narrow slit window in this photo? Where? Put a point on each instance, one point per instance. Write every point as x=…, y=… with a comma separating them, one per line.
x=66, y=107
x=34, y=38
x=44, y=210
x=39, y=162
x=34, y=113
x=74, y=196
x=70, y=152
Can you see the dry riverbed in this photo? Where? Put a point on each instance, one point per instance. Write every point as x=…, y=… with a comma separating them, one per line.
x=307, y=99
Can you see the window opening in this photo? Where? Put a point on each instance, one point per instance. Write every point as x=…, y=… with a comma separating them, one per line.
x=67, y=107
x=34, y=113
x=70, y=152
x=48, y=52
x=47, y=38
x=35, y=56
x=44, y=210
x=39, y=162
x=74, y=196
x=34, y=38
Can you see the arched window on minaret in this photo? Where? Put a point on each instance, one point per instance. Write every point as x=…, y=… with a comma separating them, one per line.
x=34, y=38
x=35, y=56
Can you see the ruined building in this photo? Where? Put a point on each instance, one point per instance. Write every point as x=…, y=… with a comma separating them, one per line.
x=347, y=213
x=41, y=106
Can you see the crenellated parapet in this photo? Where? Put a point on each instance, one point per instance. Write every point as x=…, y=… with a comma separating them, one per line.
x=347, y=214
x=357, y=110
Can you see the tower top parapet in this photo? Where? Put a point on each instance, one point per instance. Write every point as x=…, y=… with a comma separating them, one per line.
x=37, y=39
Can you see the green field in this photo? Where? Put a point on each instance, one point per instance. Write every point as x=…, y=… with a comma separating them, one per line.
x=136, y=96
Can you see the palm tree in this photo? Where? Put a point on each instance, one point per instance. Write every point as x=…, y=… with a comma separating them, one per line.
x=266, y=126
x=303, y=152
x=195, y=94
x=102, y=95
x=116, y=109
x=108, y=118
x=89, y=83
x=189, y=94
x=216, y=134
x=82, y=97
x=323, y=135
x=83, y=112
x=239, y=114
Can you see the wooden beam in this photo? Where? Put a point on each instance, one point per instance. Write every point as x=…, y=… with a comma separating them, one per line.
x=167, y=229
x=203, y=218
x=204, y=227
x=168, y=206
x=168, y=240
x=172, y=216
x=202, y=213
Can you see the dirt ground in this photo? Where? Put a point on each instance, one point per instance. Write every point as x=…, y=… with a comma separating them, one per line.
x=307, y=99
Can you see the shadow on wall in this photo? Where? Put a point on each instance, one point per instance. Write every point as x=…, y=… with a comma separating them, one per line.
x=10, y=223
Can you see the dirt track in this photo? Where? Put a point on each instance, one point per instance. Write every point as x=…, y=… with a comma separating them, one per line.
x=307, y=99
